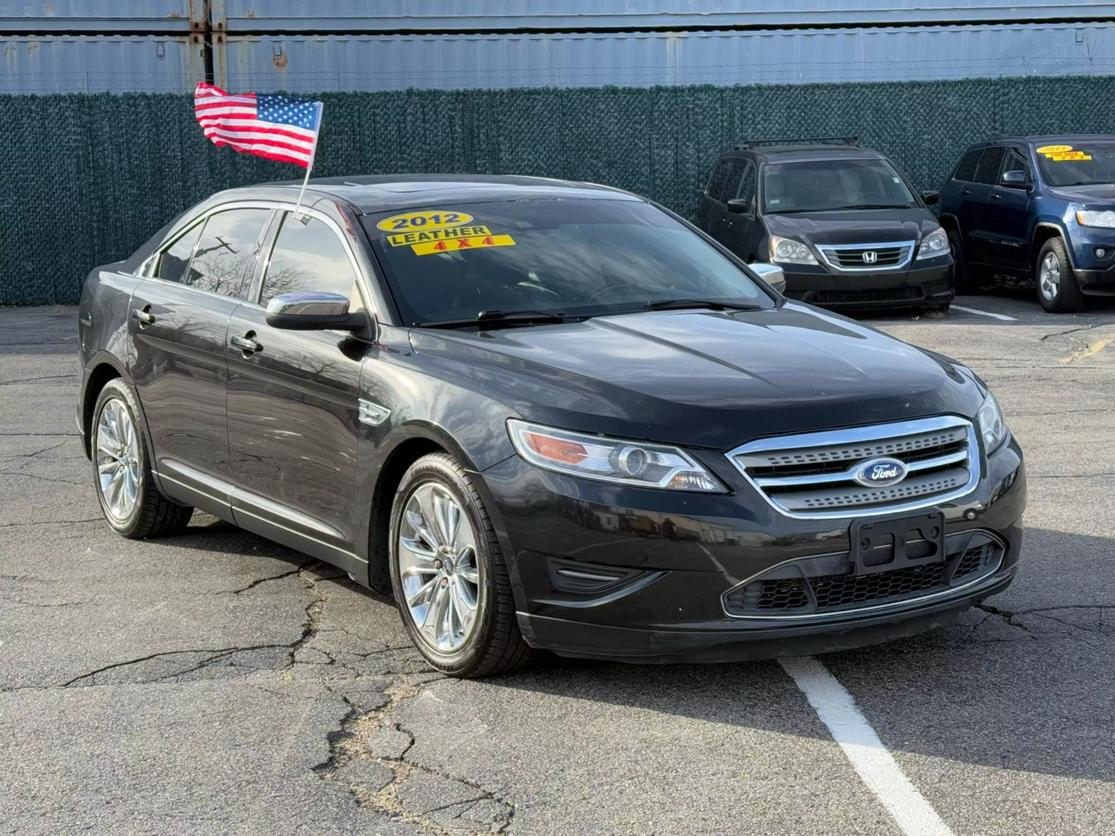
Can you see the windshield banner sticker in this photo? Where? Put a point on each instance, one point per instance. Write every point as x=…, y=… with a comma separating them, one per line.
x=1063, y=153
x=455, y=244
x=402, y=239
x=427, y=219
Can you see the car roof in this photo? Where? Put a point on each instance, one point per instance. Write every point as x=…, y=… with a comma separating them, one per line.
x=388, y=192
x=805, y=153
x=1044, y=139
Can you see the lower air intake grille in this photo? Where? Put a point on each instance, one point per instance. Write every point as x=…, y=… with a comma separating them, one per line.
x=806, y=593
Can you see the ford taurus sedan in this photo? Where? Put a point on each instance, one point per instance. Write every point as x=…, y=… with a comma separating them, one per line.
x=542, y=415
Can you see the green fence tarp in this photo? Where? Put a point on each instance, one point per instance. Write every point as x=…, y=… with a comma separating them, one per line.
x=87, y=178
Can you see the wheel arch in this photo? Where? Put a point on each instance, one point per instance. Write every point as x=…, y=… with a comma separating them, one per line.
x=1043, y=231
x=101, y=369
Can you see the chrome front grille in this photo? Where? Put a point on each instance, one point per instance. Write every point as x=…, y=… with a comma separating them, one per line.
x=891, y=255
x=814, y=475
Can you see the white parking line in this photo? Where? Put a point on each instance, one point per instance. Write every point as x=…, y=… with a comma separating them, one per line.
x=1003, y=317
x=875, y=765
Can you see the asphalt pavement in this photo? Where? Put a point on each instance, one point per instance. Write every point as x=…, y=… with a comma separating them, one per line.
x=215, y=682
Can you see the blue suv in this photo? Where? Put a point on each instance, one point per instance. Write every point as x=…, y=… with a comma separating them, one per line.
x=1041, y=207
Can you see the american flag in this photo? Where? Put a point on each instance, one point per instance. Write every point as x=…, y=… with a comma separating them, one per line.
x=276, y=127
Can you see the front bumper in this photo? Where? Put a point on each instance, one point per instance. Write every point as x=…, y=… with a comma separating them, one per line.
x=680, y=553
x=913, y=287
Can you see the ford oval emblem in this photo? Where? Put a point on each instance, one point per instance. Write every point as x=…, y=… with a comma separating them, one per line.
x=881, y=473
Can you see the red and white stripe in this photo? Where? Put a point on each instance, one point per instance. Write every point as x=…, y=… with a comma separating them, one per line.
x=230, y=119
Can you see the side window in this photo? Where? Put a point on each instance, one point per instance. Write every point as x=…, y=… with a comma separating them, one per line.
x=988, y=169
x=226, y=251
x=966, y=168
x=731, y=185
x=1015, y=161
x=309, y=256
x=719, y=177
x=747, y=183
x=176, y=259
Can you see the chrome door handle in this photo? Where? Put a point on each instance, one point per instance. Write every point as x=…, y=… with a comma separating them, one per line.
x=143, y=316
x=246, y=344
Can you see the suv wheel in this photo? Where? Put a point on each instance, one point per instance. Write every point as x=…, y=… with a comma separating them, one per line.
x=130, y=501
x=448, y=574
x=1058, y=291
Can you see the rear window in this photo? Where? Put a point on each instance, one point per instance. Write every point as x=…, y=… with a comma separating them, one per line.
x=578, y=257
x=987, y=171
x=966, y=168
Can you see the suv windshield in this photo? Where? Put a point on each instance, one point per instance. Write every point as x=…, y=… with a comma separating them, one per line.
x=573, y=257
x=1083, y=164
x=825, y=185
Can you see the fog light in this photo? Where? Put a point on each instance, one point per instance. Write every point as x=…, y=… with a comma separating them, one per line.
x=1100, y=252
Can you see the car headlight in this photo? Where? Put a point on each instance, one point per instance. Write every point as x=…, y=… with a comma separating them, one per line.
x=991, y=424
x=1095, y=217
x=935, y=244
x=610, y=459
x=787, y=251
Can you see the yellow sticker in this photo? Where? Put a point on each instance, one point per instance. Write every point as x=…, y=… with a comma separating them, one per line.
x=426, y=219
x=403, y=238
x=1070, y=156
x=1054, y=149
x=455, y=244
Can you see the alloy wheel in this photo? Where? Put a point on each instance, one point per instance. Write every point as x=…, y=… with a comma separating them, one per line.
x=117, y=457
x=439, y=571
x=1049, y=276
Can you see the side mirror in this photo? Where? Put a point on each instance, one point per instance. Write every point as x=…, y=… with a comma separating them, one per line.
x=930, y=196
x=1015, y=179
x=740, y=206
x=771, y=274
x=309, y=310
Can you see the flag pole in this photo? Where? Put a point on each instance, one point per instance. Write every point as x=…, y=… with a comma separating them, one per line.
x=313, y=156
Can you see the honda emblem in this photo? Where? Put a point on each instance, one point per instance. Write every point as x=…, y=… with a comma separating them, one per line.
x=870, y=257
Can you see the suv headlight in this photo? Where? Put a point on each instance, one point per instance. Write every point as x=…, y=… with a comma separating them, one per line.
x=991, y=424
x=610, y=459
x=935, y=244
x=786, y=251
x=1096, y=217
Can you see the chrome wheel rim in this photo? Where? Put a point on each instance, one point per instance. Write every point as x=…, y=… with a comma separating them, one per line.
x=438, y=569
x=117, y=459
x=1049, y=276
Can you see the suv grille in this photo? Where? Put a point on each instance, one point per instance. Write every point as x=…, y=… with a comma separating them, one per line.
x=815, y=474
x=975, y=556
x=892, y=255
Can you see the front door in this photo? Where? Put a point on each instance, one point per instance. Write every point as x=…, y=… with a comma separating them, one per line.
x=1009, y=217
x=178, y=322
x=293, y=402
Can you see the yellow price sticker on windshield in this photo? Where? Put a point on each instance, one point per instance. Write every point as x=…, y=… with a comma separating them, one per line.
x=1069, y=156
x=403, y=238
x=1054, y=149
x=450, y=245
x=426, y=219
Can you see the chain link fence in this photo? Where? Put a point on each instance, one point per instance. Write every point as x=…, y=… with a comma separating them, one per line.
x=89, y=177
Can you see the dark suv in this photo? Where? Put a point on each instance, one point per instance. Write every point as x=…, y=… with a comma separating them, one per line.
x=844, y=224
x=541, y=414
x=1039, y=207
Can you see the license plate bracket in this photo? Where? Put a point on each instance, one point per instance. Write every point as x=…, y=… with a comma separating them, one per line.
x=884, y=545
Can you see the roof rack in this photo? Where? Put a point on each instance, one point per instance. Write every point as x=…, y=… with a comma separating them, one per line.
x=817, y=140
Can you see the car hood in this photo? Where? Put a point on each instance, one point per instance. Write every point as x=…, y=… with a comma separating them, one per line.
x=703, y=378
x=854, y=226
x=1099, y=196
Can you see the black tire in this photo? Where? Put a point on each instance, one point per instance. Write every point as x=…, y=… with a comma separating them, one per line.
x=153, y=515
x=1058, y=292
x=495, y=645
x=964, y=276
x=938, y=311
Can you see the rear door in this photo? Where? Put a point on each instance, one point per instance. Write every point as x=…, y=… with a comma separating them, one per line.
x=1009, y=215
x=293, y=401
x=178, y=322
x=978, y=216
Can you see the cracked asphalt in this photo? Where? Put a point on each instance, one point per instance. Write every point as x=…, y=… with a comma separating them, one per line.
x=218, y=683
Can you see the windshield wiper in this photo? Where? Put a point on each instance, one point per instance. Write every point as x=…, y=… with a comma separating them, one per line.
x=500, y=317
x=678, y=304
x=871, y=206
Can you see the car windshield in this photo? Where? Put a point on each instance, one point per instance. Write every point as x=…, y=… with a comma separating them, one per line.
x=826, y=185
x=547, y=257
x=1077, y=164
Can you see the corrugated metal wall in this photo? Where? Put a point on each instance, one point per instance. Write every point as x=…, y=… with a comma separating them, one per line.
x=52, y=46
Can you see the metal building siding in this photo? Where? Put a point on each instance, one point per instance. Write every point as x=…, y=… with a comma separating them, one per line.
x=103, y=16
x=360, y=16
x=369, y=62
x=151, y=64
